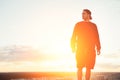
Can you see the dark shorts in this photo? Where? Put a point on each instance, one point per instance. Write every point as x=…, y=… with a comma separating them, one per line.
x=85, y=58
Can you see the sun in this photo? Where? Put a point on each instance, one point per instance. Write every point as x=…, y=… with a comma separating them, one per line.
x=66, y=59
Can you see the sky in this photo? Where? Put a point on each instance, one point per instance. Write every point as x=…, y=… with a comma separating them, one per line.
x=35, y=34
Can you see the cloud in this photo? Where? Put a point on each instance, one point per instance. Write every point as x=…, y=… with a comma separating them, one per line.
x=109, y=66
x=109, y=61
x=21, y=53
x=26, y=53
x=115, y=54
x=25, y=58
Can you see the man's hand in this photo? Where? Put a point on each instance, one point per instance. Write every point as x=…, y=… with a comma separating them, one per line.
x=98, y=52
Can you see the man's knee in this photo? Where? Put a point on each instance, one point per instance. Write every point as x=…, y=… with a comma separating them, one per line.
x=80, y=69
x=88, y=68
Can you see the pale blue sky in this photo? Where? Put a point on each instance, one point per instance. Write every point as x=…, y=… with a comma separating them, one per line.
x=44, y=24
x=29, y=21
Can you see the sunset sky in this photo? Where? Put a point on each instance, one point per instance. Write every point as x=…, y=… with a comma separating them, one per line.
x=38, y=33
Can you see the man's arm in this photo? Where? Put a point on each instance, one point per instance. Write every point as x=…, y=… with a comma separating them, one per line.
x=73, y=39
x=98, y=45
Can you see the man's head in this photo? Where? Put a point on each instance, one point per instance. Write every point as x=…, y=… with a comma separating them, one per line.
x=86, y=14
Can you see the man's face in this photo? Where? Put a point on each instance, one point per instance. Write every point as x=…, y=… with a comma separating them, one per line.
x=85, y=15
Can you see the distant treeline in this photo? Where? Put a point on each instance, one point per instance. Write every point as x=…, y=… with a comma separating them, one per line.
x=28, y=75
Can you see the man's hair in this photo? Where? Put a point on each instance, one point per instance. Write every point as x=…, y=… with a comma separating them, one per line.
x=88, y=11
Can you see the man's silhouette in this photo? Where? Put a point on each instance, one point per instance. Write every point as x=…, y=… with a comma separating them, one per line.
x=85, y=43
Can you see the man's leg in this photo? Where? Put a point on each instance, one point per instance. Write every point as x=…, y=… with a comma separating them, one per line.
x=79, y=73
x=88, y=73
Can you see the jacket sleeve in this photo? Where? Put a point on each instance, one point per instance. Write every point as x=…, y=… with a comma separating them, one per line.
x=73, y=38
x=97, y=39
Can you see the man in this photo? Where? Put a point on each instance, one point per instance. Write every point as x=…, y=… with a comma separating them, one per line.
x=85, y=43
